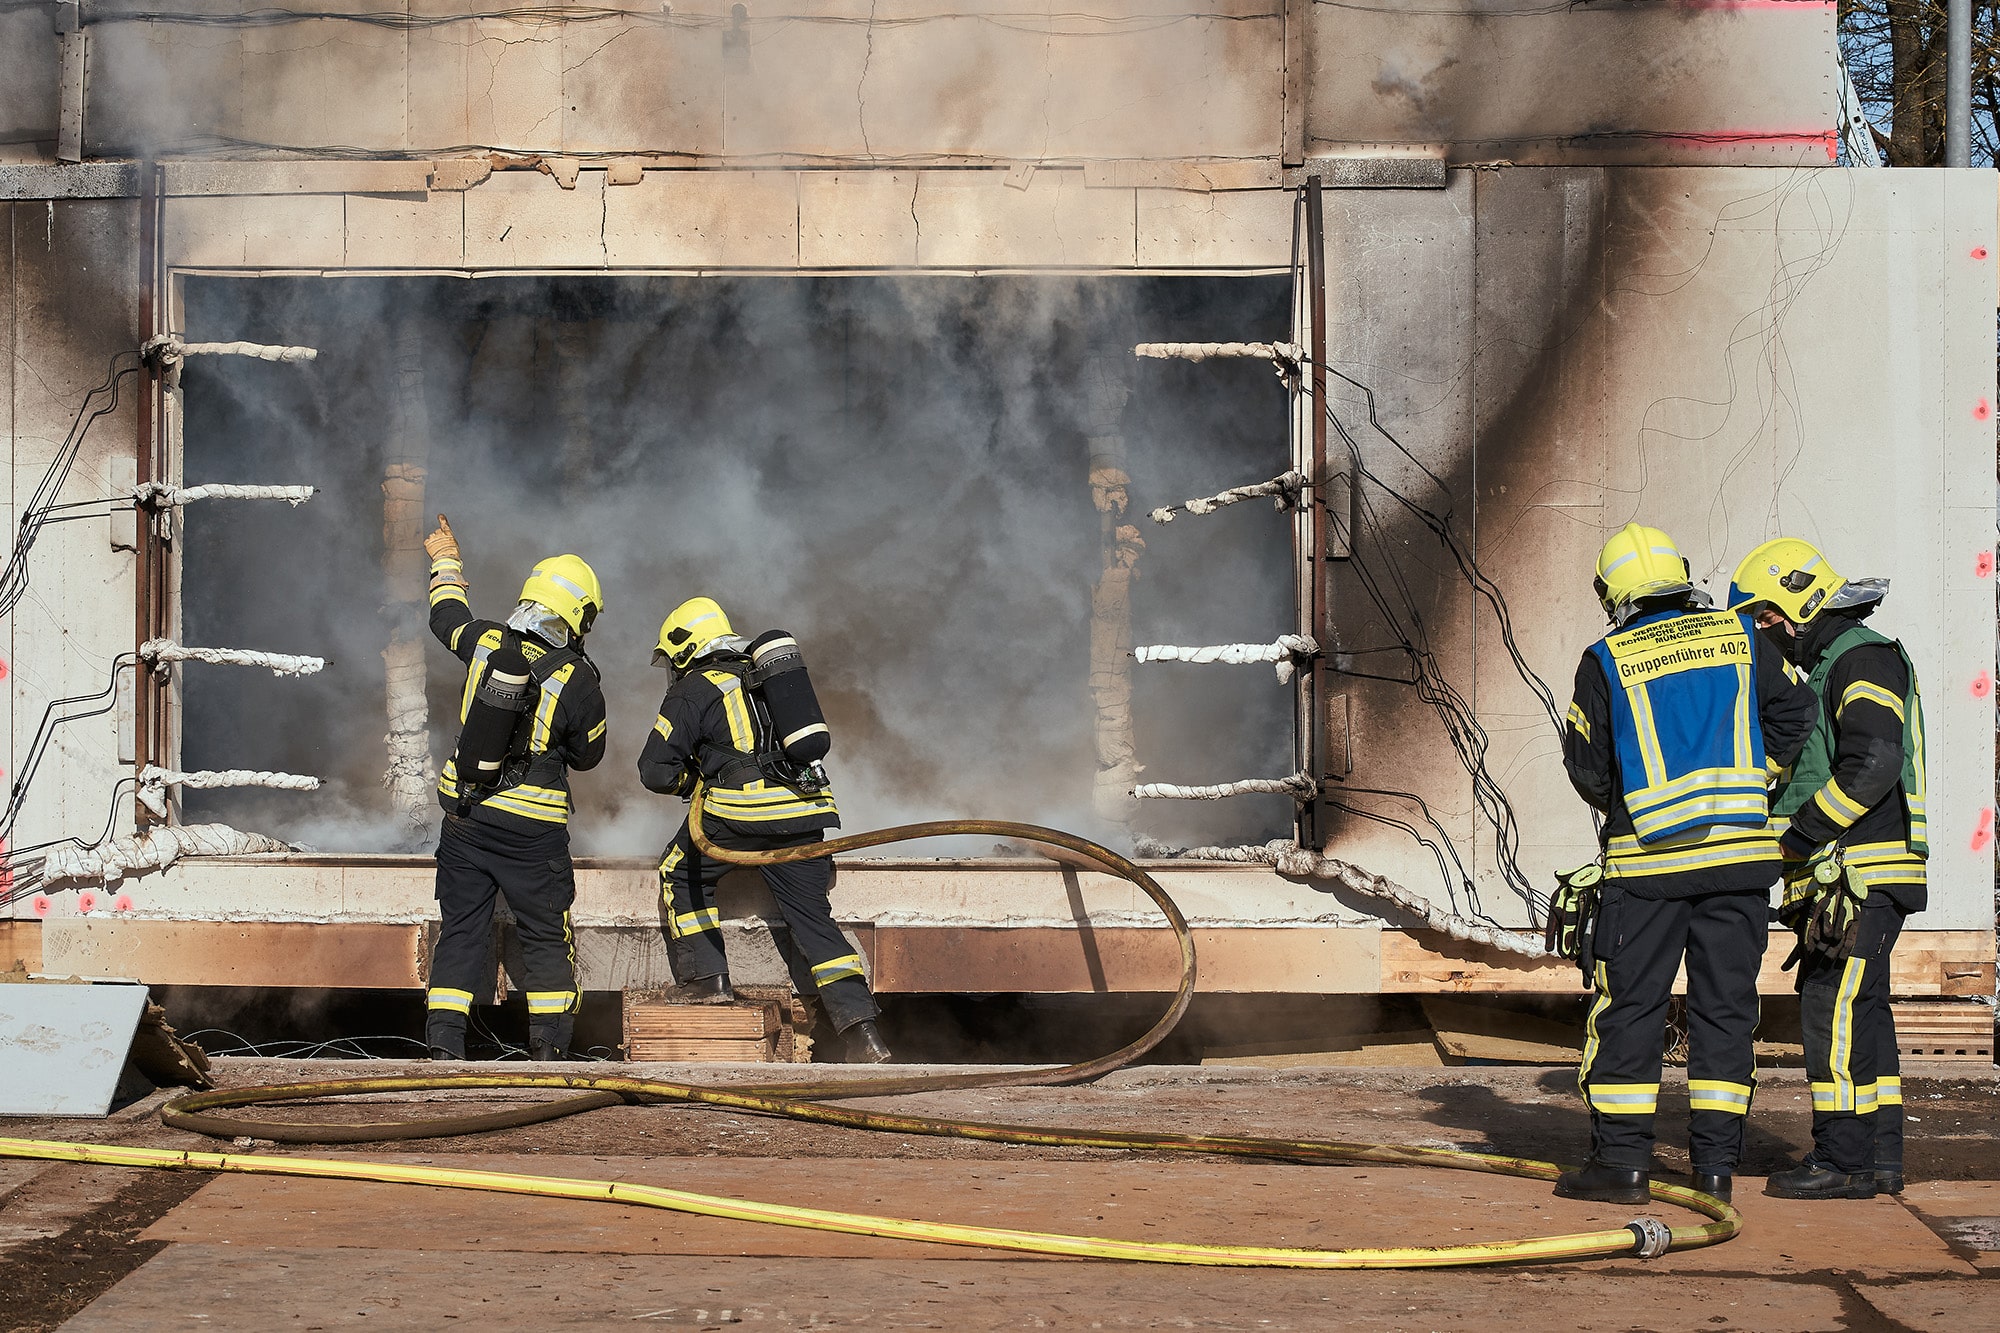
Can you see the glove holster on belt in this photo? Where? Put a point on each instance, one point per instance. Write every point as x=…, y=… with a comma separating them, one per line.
x=1572, y=917
x=1824, y=908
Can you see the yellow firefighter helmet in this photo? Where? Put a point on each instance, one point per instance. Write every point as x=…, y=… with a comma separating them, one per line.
x=1788, y=574
x=1638, y=562
x=568, y=586
x=687, y=633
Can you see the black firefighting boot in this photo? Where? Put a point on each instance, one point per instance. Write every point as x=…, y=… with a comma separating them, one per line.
x=1814, y=1181
x=864, y=1044
x=1716, y=1184
x=1603, y=1184
x=1888, y=1179
x=444, y=1033
x=549, y=1038
x=701, y=990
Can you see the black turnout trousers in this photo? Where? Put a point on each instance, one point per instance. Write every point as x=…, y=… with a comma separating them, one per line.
x=821, y=961
x=1639, y=944
x=475, y=862
x=1852, y=1058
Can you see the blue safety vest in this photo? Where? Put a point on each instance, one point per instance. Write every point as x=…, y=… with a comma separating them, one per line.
x=1684, y=721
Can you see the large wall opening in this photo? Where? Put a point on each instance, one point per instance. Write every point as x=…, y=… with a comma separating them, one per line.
x=896, y=469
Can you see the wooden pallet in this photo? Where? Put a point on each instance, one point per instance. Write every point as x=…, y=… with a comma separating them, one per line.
x=748, y=1031
x=1944, y=1030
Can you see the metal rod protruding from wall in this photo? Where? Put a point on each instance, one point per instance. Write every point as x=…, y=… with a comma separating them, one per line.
x=1958, y=84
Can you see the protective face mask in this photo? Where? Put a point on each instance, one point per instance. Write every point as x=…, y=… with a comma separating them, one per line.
x=536, y=619
x=1780, y=640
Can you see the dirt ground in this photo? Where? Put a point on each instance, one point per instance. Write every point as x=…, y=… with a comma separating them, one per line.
x=104, y=1247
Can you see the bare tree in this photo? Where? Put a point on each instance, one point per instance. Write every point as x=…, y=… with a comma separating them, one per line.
x=1895, y=51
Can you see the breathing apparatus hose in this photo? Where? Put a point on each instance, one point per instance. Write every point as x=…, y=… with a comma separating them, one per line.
x=808, y=1101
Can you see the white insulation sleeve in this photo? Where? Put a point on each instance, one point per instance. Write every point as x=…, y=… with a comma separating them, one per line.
x=153, y=782
x=170, y=348
x=280, y=664
x=155, y=849
x=1285, y=488
x=1288, y=651
x=1298, y=786
x=1288, y=858
x=1290, y=352
x=158, y=493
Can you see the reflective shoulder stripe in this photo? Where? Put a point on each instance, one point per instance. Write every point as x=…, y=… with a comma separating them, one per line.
x=597, y=730
x=1868, y=692
x=545, y=708
x=1578, y=721
x=663, y=728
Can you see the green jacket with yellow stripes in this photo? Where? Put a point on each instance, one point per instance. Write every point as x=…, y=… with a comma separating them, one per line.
x=707, y=722
x=1859, y=782
x=568, y=730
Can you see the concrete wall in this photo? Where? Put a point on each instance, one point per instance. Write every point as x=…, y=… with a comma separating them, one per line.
x=893, y=84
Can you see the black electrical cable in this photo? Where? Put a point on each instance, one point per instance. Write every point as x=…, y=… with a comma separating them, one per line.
x=35, y=514
x=101, y=703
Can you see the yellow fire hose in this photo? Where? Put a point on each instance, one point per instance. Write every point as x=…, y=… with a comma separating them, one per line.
x=805, y=1101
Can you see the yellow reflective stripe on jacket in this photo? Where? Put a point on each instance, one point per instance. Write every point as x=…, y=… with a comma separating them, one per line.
x=1578, y=720
x=1837, y=805
x=1624, y=1098
x=1889, y=1090
x=1872, y=693
x=1885, y=863
x=551, y=1001
x=1700, y=849
x=547, y=804
x=446, y=997
x=765, y=805
x=742, y=735
x=449, y=592
x=663, y=728
x=1649, y=737
x=1716, y=1094
x=545, y=707
x=834, y=969
x=596, y=731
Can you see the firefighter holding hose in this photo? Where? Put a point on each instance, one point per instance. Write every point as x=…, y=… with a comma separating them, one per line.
x=531, y=710
x=1850, y=812
x=1680, y=715
x=740, y=733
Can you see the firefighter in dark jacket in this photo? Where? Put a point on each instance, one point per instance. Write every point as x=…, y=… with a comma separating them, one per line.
x=712, y=729
x=509, y=833
x=1850, y=814
x=1679, y=719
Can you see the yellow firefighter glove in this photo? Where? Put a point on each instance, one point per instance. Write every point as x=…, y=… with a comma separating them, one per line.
x=442, y=544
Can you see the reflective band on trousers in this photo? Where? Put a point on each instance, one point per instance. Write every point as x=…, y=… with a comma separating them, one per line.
x=833, y=969
x=1625, y=1098
x=1860, y=1098
x=1714, y=1094
x=551, y=1001
x=443, y=997
x=708, y=918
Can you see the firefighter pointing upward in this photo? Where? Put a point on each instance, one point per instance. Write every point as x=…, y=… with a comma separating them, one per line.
x=531, y=710
x=739, y=722
x=1679, y=716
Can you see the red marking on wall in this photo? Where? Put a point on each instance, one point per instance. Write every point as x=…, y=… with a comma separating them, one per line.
x=86, y=901
x=1982, y=685
x=123, y=903
x=1981, y=410
x=41, y=904
x=1982, y=565
x=3, y=668
x=1979, y=252
x=1982, y=837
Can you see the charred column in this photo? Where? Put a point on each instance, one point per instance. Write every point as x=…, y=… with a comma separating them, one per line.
x=1106, y=389
x=405, y=579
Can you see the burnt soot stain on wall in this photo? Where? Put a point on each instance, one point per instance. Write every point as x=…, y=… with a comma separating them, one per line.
x=895, y=469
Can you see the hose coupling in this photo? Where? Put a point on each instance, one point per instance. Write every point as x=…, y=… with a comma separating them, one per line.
x=1651, y=1238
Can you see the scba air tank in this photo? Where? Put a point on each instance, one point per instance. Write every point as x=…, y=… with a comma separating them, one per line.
x=486, y=741
x=797, y=726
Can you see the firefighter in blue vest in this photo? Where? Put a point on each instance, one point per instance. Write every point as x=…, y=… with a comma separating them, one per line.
x=1680, y=717
x=506, y=826
x=1850, y=812
x=714, y=733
